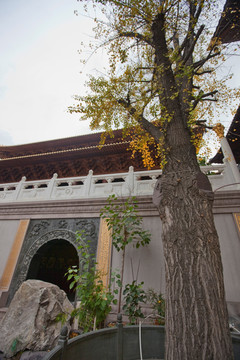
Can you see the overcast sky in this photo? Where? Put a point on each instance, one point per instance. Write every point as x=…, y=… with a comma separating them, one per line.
x=40, y=69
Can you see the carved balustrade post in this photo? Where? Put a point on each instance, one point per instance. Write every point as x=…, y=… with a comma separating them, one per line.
x=19, y=187
x=51, y=185
x=129, y=189
x=88, y=183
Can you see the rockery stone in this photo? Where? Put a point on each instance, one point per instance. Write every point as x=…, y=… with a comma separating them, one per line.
x=30, y=321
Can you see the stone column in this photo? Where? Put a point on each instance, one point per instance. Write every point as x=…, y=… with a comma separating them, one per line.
x=230, y=162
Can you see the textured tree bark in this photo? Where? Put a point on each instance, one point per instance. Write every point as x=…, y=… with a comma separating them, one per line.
x=196, y=314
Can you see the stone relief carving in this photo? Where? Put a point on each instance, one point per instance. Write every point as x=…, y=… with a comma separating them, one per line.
x=62, y=224
x=39, y=227
x=42, y=231
x=53, y=235
x=87, y=226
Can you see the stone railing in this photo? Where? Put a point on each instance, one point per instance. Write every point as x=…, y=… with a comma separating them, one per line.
x=101, y=186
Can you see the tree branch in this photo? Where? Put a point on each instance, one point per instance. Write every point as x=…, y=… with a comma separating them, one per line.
x=203, y=72
x=143, y=122
x=211, y=93
x=208, y=99
x=192, y=22
x=135, y=35
x=204, y=97
x=200, y=63
x=199, y=10
x=169, y=94
x=191, y=48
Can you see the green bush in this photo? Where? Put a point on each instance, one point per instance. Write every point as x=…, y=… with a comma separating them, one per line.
x=95, y=298
x=157, y=302
x=134, y=295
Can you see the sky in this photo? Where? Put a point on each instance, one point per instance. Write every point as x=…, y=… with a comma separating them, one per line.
x=40, y=69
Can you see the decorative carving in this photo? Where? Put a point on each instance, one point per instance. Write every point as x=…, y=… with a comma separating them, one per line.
x=52, y=235
x=87, y=226
x=62, y=224
x=2, y=195
x=77, y=163
x=42, y=231
x=38, y=227
x=68, y=191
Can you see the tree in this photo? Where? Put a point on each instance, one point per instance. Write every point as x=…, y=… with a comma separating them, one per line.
x=125, y=224
x=95, y=298
x=162, y=72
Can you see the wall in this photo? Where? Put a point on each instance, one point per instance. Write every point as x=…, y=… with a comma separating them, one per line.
x=10, y=244
x=145, y=263
x=44, y=231
x=148, y=260
x=230, y=248
x=8, y=230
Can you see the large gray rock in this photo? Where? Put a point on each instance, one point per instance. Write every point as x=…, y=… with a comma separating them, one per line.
x=30, y=321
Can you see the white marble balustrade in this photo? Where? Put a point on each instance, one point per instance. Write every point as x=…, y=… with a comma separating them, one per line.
x=101, y=186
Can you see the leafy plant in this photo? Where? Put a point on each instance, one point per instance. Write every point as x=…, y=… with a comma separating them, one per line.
x=202, y=161
x=134, y=295
x=158, y=304
x=95, y=298
x=61, y=317
x=125, y=224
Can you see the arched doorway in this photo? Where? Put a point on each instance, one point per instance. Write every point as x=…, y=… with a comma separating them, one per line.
x=51, y=262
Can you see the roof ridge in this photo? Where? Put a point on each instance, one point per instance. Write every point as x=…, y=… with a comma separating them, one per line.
x=66, y=150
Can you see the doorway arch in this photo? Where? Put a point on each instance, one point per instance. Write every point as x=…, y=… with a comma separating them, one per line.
x=41, y=231
x=51, y=262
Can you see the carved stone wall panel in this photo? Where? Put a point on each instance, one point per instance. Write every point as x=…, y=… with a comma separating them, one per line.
x=42, y=231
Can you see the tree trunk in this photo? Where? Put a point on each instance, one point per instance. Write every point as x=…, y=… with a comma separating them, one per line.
x=196, y=314
x=121, y=279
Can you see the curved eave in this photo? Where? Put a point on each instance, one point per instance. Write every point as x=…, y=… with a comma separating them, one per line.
x=233, y=137
x=228, y=29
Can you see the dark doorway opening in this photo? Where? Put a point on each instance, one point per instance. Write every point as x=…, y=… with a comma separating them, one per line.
x=51, y=262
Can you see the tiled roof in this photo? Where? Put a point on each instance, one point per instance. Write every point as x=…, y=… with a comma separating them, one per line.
x=233, y=137
x=53, y=146
x=228, y=29
x=68, y=157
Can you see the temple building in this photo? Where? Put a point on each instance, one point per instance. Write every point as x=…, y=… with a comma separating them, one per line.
x=52, y=189
x=49, y=190
x=68, y=157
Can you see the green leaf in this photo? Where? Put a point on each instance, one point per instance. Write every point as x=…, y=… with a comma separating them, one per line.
x=71, y=285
